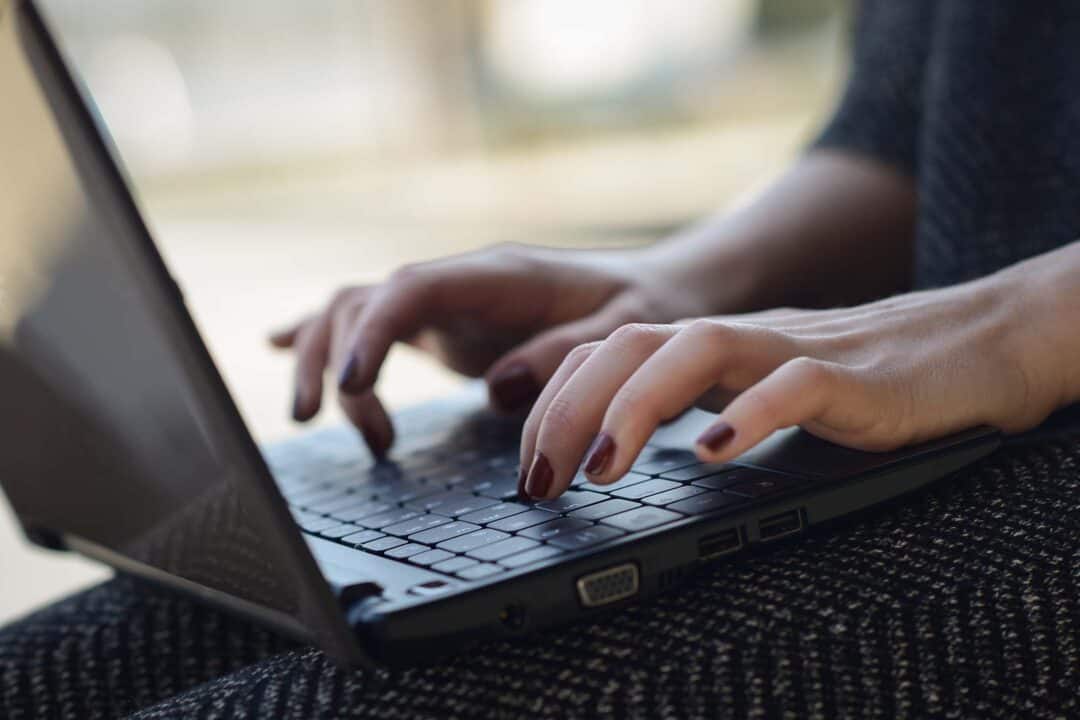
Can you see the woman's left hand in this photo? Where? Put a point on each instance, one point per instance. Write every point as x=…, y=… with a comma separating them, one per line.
x=873, y=377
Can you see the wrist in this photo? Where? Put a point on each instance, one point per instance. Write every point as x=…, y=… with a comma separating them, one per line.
x=1041, y=297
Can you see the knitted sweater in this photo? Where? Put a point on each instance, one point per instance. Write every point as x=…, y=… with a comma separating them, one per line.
x=979, y=101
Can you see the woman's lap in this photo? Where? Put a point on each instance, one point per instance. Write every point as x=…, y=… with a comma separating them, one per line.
x=961, y=600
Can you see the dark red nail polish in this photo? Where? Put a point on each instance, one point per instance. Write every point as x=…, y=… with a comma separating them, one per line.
x=540, y=476
x=374, y=443
x=347, y=379
x=521, y=484
x=298, y=409
x=600, y=454
x=717, y=436
x=514, y=388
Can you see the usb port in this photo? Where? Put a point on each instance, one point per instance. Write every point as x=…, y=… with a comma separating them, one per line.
x=775, y=527
x=722, y=543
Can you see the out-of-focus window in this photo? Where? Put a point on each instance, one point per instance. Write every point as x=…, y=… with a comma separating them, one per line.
x=283, y=147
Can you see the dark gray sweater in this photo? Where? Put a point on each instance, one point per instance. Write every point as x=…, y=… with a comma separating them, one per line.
x=979, y=100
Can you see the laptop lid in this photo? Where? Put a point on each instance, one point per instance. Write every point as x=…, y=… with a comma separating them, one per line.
x=118, y=437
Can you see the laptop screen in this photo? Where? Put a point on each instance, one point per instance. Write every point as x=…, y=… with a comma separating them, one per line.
x=115, y=429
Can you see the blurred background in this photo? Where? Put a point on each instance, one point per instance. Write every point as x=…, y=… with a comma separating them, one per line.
x=282, y=148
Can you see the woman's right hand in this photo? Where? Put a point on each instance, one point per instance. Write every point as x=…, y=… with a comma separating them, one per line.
x=509, y=313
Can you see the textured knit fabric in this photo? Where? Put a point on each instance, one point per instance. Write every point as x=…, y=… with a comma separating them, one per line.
x=962, y=601
x=979, y=100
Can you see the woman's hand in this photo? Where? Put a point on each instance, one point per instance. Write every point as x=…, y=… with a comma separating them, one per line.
x=874, y=377
x=511, y=313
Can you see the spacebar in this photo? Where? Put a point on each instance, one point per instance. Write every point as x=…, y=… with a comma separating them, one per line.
x=342, y=567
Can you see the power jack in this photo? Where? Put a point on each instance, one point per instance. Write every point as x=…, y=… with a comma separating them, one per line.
x=513, y=617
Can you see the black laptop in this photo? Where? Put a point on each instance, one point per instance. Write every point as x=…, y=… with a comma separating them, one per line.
x=120, y=441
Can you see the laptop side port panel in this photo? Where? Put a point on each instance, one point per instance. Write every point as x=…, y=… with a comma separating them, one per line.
x=612, y=584
x=781, y=525
x=719, y=544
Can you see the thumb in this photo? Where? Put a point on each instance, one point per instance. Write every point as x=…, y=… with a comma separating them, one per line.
x=515, y=380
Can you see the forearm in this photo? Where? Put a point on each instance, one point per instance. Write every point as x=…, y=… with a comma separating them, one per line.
x=834, y=230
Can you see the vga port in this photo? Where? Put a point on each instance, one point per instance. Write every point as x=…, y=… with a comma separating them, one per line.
x=609, y=585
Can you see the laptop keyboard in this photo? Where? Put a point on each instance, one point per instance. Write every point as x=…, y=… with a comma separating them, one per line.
x=454, y=509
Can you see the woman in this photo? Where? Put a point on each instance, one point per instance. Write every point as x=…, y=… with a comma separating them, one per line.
x=935, y=221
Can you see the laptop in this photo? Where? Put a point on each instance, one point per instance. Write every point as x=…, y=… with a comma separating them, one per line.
x=121, y=442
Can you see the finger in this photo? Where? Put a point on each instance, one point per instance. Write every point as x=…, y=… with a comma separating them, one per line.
x=312, y=346
x=364, y=411
x=796, y=393
x=703, y=356
x=572, y=417
x=367, y=414
x=515, y=379
x=395, y=311
x=285, y=338
x=574, y=359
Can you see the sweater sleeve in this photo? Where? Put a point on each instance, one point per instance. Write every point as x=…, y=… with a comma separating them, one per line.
x=879, y=112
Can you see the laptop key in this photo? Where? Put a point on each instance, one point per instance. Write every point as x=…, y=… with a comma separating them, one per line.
x=695, y=472
x=415, y=525
x=674, y=495
x=762, y=486
x=493, y=513
x=430, y=557
x=453, y=564
x=519, y=522
x=359, y=538
x=585, y=538
x=327, y=507
x=338, y=531
x=504, y=548
x=408, y=550
x=389, y=518
x=706, y=502
x=641, y=519
x=383, y=544
x=663, y=460
x=505, y=489
x=720, y=481
x=570, y=501
x=602, y=510
x=626, y=480
x=477, y=572
x=472, y=541
x=432, y=503
x=318, y=523
x=444, y=532
x=644, y=489
x=531, y=556
x=549, y=530
x=354, y=512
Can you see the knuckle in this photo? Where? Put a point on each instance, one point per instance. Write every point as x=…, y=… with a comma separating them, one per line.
x=560, y=418
x=407, y=274
x=580, y=353
x=339, y=298
x=631, y=336
x=711, y=332
x=811, y=371
x=635, y=403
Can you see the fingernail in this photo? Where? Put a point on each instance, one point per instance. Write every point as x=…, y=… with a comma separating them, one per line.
x=298, y=409
x=600, y=454
x=348, y=376
x=540, y=476
x=521, y=484
x=374, y=443
x=717, y=436
x=514, y=387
